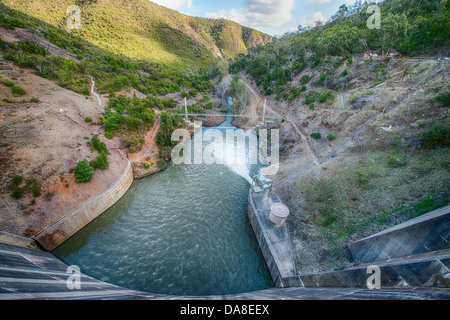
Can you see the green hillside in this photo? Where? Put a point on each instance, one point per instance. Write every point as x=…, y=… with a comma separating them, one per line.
x=411, y=27
x=143, y=30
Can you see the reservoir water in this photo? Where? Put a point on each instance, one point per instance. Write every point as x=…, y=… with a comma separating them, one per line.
x=183, y=231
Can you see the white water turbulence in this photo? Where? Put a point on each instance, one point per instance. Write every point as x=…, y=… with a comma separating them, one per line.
x=237, y=150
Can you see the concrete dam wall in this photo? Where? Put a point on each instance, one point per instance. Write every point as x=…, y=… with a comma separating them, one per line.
x=61, y=230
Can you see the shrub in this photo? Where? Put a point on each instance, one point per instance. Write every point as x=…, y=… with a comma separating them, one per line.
x=86, y=91
x=34, y=100
x=109, y=135
x=331, y=137
x=17, y=193
x=316, y=136
x=16, y=180
x=305, y=79
x=99, y=145
x=83, y=171
x=33, y=186
x=344, y=73
x=443, y=99
x=18, y=91
x=29, y=47
x=101, y=162
x=9, y=83
x=322, y=78
x=88, y=119
x=438, y=136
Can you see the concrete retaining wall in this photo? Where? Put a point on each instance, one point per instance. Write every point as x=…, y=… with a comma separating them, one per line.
x=274, y=241
x=427, y=233
x=57, y=233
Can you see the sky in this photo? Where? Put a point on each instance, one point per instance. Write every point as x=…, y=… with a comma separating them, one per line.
x=274, y=17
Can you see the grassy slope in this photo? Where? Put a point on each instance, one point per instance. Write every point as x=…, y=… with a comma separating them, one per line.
x=143, y=30
x=383, y=179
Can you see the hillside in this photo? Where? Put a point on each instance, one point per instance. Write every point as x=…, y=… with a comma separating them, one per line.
x=59, y=144
x=365, y=135
x=143, y=30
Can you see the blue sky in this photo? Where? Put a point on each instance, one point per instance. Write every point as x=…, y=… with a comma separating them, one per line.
x=274, y=17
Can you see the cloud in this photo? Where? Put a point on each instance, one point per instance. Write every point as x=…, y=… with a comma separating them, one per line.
x=174, y=4
x=310, y=20
x=259, y=13
x=236, y=15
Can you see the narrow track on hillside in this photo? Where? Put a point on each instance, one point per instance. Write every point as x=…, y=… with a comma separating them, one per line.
x=94, y=93
x=361, y=128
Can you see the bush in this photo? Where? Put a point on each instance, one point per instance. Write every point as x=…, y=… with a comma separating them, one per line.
x=32, y=48
x=322, y=78
x=33, y=186
x=99, y=145
x=443, y=99
x=86, y=91
x=16, y=180
x=88, y=119
x=344, y=73
x=83, y=171
x=305, y=79
x=109, y=135
x=8, y=83
x=17, y=193
x=331, y=137
x=18, y=91
x=316, y=136
x=438, y=136
x=101, y=162
x=34, y=100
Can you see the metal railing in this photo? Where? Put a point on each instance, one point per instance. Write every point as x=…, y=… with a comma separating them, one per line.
x=87, y=203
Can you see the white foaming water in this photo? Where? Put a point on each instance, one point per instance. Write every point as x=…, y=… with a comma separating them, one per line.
x=235, y=149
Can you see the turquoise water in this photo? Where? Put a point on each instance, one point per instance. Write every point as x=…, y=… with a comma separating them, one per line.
x=183, y=231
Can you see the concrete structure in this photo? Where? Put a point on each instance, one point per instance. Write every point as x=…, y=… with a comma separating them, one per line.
x=413, y=259
x=61, y=230
x=273, y=240
x=412, y=254
x=430, y=232
x=279, y=214
x=30, y=274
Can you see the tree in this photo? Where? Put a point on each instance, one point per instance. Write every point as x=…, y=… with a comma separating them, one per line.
x=83, y=171
x=393, y=31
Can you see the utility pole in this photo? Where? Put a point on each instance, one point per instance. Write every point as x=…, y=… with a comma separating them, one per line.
x=185, y=109
x=264, y=112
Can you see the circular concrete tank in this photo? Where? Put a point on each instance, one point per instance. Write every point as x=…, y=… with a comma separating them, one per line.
x=279, y=214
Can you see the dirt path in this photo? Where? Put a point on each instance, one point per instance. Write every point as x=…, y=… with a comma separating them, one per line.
x=93, y=91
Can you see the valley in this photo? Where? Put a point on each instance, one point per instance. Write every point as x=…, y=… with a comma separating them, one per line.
x=363, y=118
